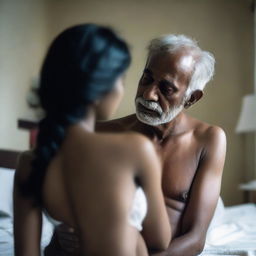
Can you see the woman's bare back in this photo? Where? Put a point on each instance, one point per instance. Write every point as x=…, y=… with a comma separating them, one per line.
x=90, y=186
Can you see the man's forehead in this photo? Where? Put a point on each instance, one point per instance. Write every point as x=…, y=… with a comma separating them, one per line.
x=187, y=62
x=169, y=63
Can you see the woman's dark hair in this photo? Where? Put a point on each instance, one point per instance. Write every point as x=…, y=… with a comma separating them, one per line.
x=80, y=67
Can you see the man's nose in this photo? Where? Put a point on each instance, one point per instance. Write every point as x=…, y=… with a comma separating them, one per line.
x=151, y=93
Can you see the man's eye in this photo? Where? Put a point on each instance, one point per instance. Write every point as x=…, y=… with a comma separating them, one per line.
x=167, y=90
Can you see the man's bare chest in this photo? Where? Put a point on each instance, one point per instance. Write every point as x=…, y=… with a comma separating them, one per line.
x=180, y=160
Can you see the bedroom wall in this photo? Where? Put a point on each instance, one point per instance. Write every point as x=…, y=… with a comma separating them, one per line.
x=22, y=45
x=223, y=27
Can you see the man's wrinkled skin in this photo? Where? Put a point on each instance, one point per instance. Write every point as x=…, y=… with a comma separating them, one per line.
x=192, y=152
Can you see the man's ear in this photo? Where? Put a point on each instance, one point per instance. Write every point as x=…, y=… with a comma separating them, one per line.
x=194, y=97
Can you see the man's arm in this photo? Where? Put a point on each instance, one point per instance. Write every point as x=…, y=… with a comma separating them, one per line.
x=27, y=217
x=203, y=197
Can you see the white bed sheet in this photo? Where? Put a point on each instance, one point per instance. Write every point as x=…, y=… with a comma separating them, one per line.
x=235, y=234
x=6, y=216
x=232, y=231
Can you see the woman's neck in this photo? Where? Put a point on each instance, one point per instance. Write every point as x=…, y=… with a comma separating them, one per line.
x=88, y=122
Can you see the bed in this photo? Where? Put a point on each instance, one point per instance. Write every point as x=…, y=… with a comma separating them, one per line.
x=232, y=230
x=8, y=161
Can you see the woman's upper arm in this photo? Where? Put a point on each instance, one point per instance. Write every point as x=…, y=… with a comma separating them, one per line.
x=156, y=226
x=27, y=217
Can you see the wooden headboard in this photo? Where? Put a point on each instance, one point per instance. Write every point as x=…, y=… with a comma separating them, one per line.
x=8, y=158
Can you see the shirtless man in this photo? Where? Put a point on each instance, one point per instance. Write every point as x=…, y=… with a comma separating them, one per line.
x=192, y=152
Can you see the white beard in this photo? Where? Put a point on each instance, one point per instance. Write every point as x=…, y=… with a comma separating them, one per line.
x=163, y=118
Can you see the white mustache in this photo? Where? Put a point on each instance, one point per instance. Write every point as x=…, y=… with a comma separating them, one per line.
x=152, y=105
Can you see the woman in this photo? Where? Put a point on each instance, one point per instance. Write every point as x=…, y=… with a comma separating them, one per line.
x=89, y=181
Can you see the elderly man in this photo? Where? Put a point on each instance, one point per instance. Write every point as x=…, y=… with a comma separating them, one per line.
x=192, y=152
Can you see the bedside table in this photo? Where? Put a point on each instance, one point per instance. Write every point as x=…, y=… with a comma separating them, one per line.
x=32, y=127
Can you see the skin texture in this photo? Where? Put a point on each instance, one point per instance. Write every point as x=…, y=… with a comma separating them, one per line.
x=90, y=185
x=192, y=152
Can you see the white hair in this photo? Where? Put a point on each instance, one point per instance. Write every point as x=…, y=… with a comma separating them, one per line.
x=204, y=66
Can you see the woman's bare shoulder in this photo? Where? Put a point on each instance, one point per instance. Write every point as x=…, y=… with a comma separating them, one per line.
x=138, y=141
x=128, y=147
x=134, y=145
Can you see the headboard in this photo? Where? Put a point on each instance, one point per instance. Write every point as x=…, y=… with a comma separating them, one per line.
x=8, y=158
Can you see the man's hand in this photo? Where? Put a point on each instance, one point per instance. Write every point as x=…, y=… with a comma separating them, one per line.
x=64, y=242
x=67, y=238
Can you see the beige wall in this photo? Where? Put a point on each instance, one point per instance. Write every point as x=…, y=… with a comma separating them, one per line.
x=223, y=27
x=22, y=45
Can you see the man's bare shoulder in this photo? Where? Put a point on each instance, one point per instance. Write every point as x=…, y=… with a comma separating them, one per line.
x=207, y=133
x=116, y=125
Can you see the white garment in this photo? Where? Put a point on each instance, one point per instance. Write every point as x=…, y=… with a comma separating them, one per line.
x=53, y=221
x=136, y=216
x=139, y=209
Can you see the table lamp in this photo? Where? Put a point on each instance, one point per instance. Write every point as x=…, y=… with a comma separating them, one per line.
x=246, y=124
x=247, y=118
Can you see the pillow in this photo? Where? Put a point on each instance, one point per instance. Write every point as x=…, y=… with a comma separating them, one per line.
x=6, y=215
x=6, y=188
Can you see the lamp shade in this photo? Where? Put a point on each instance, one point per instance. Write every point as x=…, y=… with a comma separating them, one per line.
x=247, y=118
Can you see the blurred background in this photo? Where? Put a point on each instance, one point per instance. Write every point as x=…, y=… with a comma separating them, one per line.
x=223, y=27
